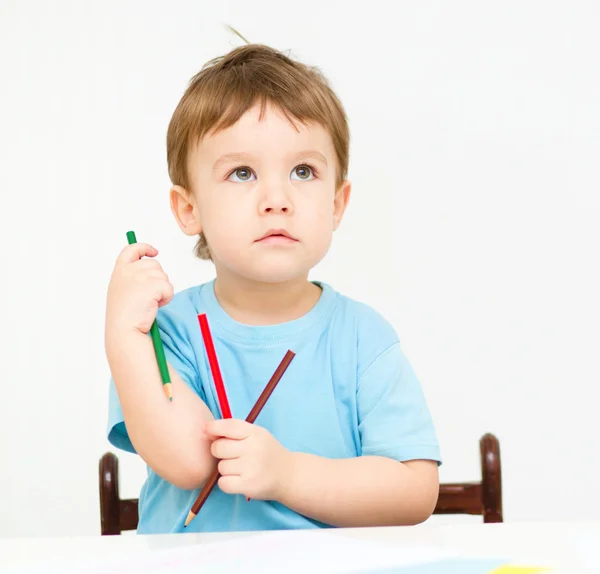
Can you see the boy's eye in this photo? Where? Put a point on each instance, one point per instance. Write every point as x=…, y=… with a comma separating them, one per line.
x=304, y=172
x=241, y=174
x=301, y=172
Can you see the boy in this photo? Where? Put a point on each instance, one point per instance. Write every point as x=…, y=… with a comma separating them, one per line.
x=258, y=155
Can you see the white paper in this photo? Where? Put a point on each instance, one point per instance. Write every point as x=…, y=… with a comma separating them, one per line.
x=586, y=545
x=313, y=552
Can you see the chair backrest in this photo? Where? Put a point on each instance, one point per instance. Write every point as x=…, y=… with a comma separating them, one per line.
x=482, y=498
x=116, y=515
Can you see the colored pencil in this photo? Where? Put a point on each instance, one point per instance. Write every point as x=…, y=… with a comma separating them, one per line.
x=214, y=366
x=260, y=403
x=157, y=342
x=215, y=369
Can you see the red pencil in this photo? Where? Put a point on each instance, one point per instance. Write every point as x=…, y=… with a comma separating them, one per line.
x=213, y=479
x=214, y=367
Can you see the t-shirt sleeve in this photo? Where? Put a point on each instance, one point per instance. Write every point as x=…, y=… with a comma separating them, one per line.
x=394, y=420
x=179, y=354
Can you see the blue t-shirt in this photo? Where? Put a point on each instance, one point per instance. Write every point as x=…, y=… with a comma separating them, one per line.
x=349, y=391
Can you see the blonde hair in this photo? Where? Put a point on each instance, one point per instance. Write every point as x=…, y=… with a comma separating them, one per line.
x=226, y=87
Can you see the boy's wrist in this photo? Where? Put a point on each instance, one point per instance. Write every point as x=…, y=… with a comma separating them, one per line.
x=298, y=470
x=287, y=474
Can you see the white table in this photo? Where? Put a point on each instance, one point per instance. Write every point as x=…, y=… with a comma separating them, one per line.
x=568, y=547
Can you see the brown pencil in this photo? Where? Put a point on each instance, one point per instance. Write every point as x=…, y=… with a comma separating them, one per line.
x=260, y=403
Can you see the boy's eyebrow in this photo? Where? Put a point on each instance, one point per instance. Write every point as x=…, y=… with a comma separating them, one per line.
x=311, y=153
x=231, y=157
x=246, y=157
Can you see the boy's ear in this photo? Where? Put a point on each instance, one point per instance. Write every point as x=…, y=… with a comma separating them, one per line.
x=340, y=202
x=185, y=210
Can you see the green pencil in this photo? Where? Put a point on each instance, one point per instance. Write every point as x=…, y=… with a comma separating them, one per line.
x=157, y=342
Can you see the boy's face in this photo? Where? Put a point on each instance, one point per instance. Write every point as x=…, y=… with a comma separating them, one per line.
x=258, y=176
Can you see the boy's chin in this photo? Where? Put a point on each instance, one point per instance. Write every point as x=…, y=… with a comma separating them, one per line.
x=273, y=273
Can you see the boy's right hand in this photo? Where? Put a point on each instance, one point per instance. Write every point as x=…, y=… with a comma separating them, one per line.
x=137, y=288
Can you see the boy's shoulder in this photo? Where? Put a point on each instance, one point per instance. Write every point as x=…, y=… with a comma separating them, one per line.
x=364, y=314
x=374, y=333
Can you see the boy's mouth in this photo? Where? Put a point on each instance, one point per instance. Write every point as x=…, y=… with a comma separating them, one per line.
x=277, y=236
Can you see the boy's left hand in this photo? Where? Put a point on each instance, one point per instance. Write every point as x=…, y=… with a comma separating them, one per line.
x=252, y=461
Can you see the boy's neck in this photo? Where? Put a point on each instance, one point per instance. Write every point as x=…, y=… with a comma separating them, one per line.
x=261, y=304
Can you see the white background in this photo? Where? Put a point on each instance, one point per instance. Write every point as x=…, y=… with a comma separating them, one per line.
x=473, y=226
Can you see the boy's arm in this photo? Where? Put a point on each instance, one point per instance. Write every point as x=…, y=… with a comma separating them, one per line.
x=167, y=435
x=362, y=491
x=375, y=488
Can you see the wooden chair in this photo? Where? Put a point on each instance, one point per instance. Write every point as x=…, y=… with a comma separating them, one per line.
x=481, y=498
x=116, y=515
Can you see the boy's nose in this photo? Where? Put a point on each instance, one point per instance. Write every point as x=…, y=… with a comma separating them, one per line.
x=277, y=209
x=275, y=200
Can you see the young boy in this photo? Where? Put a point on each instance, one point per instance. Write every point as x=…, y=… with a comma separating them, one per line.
x=258, y=156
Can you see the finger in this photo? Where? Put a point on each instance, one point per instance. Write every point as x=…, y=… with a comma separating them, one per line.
x=231, y=484
x=143, y=275
x=226, y=448
x=231, y=467
x=135, y=252
x=166, y=293
x=230, y=428
x=157, y=274
x=148, y=264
